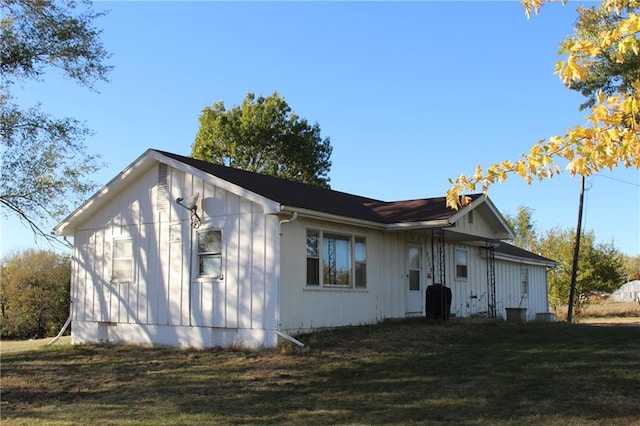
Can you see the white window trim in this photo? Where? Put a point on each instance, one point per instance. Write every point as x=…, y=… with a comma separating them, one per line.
x=455, y=263
x=524, y=285
x=196, y=258
x=131, y=280
x=352, y=285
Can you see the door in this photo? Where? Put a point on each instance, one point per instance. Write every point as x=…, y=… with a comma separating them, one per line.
x=414, y=279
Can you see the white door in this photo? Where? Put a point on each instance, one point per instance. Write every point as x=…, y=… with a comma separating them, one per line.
x=414, y=279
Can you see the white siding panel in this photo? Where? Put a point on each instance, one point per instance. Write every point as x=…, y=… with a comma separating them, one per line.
x=102, y=262
x=233, y=235
x=232, y=205
x=393, y=275
x=176, y=178
x=218, y=303
x=185, y=276
x=175, y=273
x=83, y=285
x=258, y=270
x=272, y=274
x=303, y=307
x=92, y=281
x=245, y=278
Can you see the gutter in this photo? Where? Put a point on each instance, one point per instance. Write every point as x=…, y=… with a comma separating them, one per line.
x=397, y=226
x=427, y=224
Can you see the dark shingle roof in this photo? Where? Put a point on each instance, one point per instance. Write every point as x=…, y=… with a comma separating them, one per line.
x=301, y=195
x=511, y=250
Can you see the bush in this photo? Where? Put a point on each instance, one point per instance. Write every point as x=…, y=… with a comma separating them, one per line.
x=34, y=294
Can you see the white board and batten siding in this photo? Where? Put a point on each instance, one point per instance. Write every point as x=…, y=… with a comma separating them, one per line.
x=304, y=307
x=470, y=296
x=628, y=292
x=166, y=303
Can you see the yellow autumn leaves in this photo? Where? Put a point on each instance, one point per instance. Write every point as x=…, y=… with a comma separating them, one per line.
x=609, y=138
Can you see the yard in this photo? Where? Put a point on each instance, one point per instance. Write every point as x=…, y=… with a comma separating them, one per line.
x=393, y=373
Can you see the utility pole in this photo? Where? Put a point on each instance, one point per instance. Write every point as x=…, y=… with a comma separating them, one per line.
x=576, y=251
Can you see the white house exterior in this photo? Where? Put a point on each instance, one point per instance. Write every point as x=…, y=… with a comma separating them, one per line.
x=259, y=258
x=628, y=292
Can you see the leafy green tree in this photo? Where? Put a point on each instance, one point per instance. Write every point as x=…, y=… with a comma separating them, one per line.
x=600, y=266
x=523, y=228
x=607, y=71
x=632, y=267
x=34, y=293
x=45, y=165
x=264, y=135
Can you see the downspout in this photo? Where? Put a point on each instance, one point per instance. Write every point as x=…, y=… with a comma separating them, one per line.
x=68, y=321
x=294, y=217
x=290, y=338
x=64, y=327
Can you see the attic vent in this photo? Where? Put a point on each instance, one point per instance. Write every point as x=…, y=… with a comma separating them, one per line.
x=162, y=200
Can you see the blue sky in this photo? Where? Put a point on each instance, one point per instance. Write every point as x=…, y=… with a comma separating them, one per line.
x=410, y=94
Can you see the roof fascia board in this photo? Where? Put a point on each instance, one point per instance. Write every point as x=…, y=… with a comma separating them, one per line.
x=111, y=186
x=136, y=166
x=270, y=206
x=426, y=224
x=314, y=214
x=524, y=260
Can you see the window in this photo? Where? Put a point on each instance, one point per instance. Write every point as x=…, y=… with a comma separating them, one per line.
x=470, y=217
x=122, y=262
x=210, y=254
x=336, y=260
x=361, y=263
x=313, y=258
x=461, y=264
x=524, y=281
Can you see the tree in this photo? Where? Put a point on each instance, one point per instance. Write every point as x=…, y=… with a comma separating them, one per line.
x=44, y=160
x=632, y=267
x=606, y=73
x=34, y=293
x=523, y=228
x=611, y=136
x=601, y=266
x=264, y=135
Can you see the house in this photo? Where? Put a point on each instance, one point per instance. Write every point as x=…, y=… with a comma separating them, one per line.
x=180, y=252
x=628, y=292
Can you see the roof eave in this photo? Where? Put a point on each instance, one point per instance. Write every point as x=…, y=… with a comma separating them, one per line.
x=525, y=260
x=425, y=224
x=314, y=214
x=270, y=206
x=64, y=228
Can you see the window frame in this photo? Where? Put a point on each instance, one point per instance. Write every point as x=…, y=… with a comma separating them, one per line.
x=357, y=261
x=212, y=254
x=464, y=277
x=122, y=280
x=524, y=282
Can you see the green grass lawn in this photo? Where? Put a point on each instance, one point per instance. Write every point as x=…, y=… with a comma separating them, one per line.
x=394, y=373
